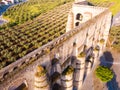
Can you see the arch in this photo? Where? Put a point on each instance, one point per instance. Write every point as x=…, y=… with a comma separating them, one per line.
x=77, y=24
x=89, y=52
x=18, y=84
x=32, y=59
x=16, y=67
x=37, y=55
x=5, y=74
x=79, y=17
x=23, y=63
x=22, y=86
x=54, y=61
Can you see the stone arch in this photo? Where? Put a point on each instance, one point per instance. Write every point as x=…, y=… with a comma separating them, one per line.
x=37, y=55
x=23, y=63
x=16, y=67
x=32, y=59
x=89, y=52
x=21, y=85
x=79, y=17
x=5, y=74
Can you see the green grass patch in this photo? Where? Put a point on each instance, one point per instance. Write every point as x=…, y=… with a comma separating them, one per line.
x=113, y=4
x=115, y=38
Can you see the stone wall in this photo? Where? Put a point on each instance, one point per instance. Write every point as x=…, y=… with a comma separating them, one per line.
x=87, y=34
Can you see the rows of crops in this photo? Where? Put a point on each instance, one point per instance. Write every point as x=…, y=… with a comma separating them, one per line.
x=113, y=4
x=100, y=3
x=115, y=38
x=21, y=13
x=20, y=40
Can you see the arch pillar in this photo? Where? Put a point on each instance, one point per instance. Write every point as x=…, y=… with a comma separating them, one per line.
x=79, y=72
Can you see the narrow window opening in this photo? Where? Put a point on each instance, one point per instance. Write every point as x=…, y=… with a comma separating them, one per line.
x=79, y=17
x=77, y=24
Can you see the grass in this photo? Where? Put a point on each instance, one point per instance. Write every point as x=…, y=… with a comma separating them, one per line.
x=114, y=4
x=115, y=38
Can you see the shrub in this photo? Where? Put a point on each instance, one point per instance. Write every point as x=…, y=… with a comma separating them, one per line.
x=97, y=48
x=104, y=73
x=68, y=70
x=82, y=54
x=40, y=71
x=102, y=41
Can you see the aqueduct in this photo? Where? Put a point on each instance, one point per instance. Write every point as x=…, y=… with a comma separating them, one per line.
x=87, y=27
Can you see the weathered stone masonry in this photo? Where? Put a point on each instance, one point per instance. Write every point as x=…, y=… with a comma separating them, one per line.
x=88, y=34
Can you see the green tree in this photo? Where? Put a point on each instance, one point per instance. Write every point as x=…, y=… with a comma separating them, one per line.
x=104, y=73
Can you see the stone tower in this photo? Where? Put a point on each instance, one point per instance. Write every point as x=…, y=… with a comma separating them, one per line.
x=75, y=16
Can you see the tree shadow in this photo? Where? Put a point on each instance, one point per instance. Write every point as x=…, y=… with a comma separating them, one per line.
x=107, y=60
x=113, y=84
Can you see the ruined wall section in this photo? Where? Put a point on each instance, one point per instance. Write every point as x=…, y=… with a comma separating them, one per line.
x=62, y=48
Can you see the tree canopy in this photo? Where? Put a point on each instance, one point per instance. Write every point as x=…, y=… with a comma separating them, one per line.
x=104, y=73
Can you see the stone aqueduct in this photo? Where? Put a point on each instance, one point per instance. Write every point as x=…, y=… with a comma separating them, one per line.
x=78, y=38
